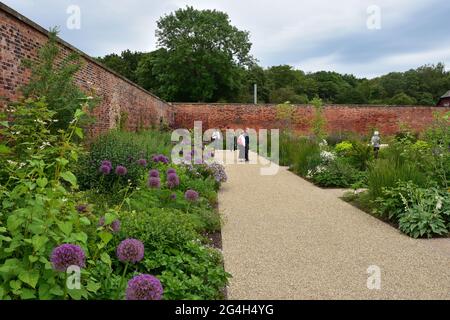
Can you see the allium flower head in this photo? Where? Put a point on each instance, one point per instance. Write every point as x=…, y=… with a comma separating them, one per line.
x=160, y=158
x=105, y=169
x=130, y=250
x=173, y=196
x=171, y=170
x=142, y=162
x=114, y=226
x=144, y=287
x=82, y=208
x=67, y=255
x=154, y=173
x=154, y=182
x=191, y=195
x=106, y=163
x=173, y=180
x=121, y=170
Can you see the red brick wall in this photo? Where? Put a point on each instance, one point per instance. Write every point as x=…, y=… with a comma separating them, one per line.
x=21, y=38
x=339, y=118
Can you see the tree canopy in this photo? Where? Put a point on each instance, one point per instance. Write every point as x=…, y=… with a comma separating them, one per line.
x=202, y=57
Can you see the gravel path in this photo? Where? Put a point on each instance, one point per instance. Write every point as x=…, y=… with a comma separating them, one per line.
x=284, y=238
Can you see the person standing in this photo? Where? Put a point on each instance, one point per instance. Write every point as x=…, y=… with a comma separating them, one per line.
x=216, y=137
x=241, y=146
x=247, y=144
x=376, y=142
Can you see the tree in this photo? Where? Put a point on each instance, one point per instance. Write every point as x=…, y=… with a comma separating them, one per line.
x=53, y=79
x=204, y=56
x=125, y=64
x=402, y=99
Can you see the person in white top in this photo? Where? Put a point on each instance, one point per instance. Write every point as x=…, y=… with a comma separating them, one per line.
x=241, y=146
x=376, y=142
x=216, y=137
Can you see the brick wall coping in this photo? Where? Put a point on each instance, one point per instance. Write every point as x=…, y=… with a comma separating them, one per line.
x=214, y=104
x=42, y=30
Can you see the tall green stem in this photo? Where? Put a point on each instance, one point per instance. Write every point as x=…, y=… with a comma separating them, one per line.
x=121, y=281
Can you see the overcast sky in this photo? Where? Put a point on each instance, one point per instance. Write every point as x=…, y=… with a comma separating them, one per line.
x=311, y=35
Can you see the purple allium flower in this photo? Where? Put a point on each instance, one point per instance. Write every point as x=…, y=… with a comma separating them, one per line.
x=173, y=180
x=142, y=162
x=67, y=255
x=160, y=158
x=121, y=170
x=106, y=163
x=82, y=208
x=130, y=250
x=114, y=226
x=144, y=287
x=154, y=182
x=171, y=170
x=105, y=169
x=173, y=196
x=154, y=173
x=191, y=195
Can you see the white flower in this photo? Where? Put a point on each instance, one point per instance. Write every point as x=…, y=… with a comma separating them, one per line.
x=327, y=156
x=324, y=143
x=45, y=144
x=13, y=163
x=439, y=204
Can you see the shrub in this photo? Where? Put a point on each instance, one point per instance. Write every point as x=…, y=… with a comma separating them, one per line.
x=305, y=156
x=39, y=207
x=158, y=227
x=52, y=77
x=337, y=174
x=360, y=155
x=121, y=149
x=390, y=204
x=343, y=148
x=193, y=272
x=386, y=173
x=426, y=213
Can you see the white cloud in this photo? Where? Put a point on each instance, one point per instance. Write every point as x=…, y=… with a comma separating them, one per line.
x=313, y=35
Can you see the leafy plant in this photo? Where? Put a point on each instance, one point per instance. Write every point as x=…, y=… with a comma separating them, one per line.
x=337, y=174
x=38, y=205
x=52, y=77
x=319, y=121
x=426, y=213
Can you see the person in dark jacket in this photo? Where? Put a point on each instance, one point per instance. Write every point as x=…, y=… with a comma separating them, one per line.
x=247, y=144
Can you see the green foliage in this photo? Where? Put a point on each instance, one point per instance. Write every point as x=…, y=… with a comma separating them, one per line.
x=402, y=99
x=126, y=64
x=160, y=227
x=360, y=155
x=52, y=78
x=338, y=173
x=343, y=148
x=38, y=204
x=427, y=212
x=386, y=173
x=202, y=58
x=194, y=272
x=285, y=114
x=305, y=157
x=121, y=148
x=319, y=121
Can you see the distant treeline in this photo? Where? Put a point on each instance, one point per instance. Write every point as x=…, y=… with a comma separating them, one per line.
x=203, y=58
